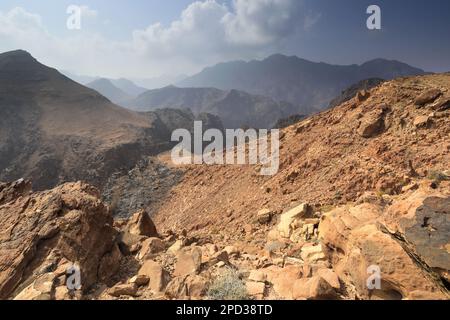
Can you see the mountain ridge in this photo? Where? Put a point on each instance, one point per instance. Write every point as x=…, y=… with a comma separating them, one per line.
x=311, y=85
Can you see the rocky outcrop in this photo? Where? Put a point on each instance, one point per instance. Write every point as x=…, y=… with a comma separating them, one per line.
x=44, y=233
x=405, y=243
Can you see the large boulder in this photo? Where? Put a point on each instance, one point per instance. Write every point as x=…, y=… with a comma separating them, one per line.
x=42, y=229
x=287, y=220
x=402, y=245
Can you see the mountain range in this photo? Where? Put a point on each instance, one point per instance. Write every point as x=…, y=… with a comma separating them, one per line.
x=53, y=129
x=235, y=108
x=309, y=85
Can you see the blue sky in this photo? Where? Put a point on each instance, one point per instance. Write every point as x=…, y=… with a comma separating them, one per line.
x=154, y=37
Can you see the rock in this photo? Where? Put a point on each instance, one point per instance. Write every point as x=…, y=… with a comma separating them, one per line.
x=428, y=96
x=256, y=289
x=372, y=124
x=109, y=264
x=312, y=254
x=421, y=121
x=232, y=251
x=196, y=286
x=128, y=289
x=283, y=279
x=314, y=288
x=176, y=247
x=140, y=280
x=264, y=216
x=14, y=190
x=368, y=237
x=287, y=219
x=62, y=293
x=422, y=219
x=188, y=262
x=362, y=95
x=41, y=289
x=257, y=276
x=142, y=225
x=330, y=276
x=69, y=221
x=150, y=247
x=130, y=243
x=157, y=275
x=176, y=289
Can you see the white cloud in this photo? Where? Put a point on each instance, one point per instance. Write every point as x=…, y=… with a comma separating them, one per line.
x=206, y=32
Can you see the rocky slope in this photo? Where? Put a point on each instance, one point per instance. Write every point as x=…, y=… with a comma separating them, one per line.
x=308, y=85
x=235, y=108
x=363, y=190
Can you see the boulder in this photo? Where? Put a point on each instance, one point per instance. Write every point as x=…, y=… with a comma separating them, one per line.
x=421, y=121
x=141, y=224
x=127, y=289
x=140, y=280
x=372, y=124
x=159, y=278
x=315, y=288
x=151, y=246
x=312, y=254
x=43, y=288
x=188, y=262
x=394, y=241
x=428, y=96
x=264, y=216
x=256, y=289
x=287, y=219
x=176, y=247
x=69, y=222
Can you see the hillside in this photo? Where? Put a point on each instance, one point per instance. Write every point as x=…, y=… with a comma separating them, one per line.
x=53, y=129
x=235, y=108
x=308, y=85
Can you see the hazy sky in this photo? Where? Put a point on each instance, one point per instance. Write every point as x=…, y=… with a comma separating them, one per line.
x=153, y=37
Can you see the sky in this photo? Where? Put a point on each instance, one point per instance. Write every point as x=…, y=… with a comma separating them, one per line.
x=144, y=39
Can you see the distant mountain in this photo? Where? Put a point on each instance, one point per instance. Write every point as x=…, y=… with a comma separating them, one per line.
x=106, y=88
x=159, y=82
x=350, y=92
x=81, y=79
x=53, y=129
x=307, y=84
x=235, y=108
x=128, y=86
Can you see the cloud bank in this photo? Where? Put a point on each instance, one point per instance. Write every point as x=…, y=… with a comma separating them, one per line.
x=206, y=33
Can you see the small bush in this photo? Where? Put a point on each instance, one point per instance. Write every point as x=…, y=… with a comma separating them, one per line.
x=228, y=286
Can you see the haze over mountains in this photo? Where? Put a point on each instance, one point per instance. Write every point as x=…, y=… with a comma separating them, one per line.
x=306, y=84
x=236, y=108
